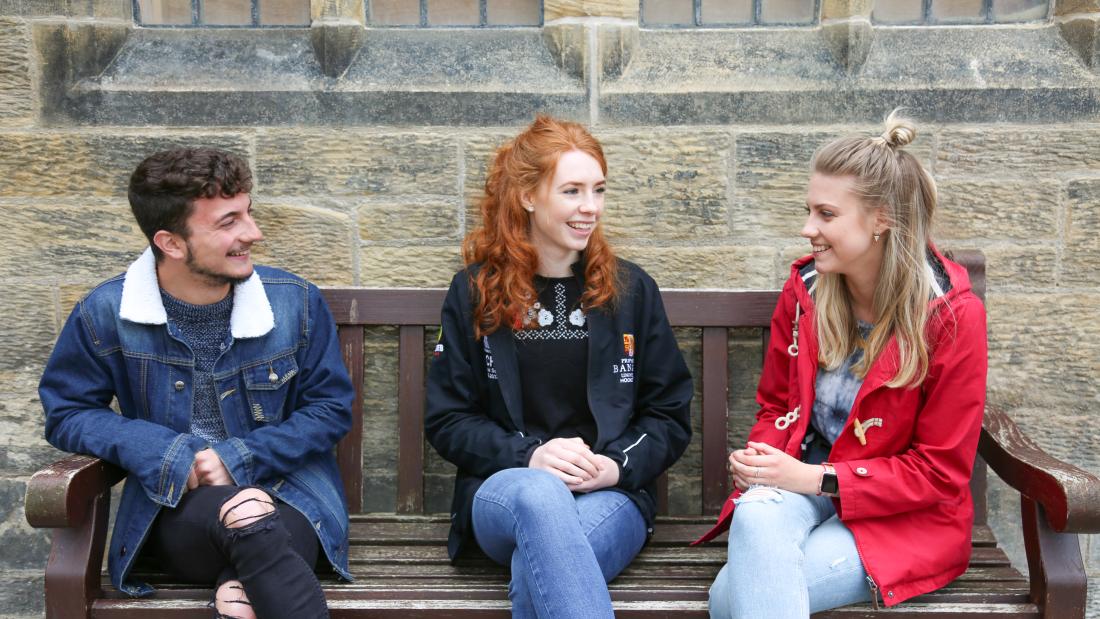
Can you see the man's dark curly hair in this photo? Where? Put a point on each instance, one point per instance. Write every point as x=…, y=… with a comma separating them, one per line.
x=164, y=187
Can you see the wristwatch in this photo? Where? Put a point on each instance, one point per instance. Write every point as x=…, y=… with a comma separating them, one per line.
x=829, y=484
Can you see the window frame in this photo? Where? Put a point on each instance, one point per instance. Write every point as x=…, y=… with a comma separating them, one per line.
x=697, y=18
x=197, y=14
x=483, y=19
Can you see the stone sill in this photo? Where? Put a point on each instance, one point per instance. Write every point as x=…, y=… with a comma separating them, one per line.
x=502, y=77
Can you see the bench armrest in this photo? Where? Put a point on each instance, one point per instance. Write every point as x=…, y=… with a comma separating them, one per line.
x=61, y=494
x=1069, y=495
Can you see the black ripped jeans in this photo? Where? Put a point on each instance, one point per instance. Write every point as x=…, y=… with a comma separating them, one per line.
x=272, y=556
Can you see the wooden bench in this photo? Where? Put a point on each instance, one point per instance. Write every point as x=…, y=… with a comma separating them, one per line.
x=400, y=559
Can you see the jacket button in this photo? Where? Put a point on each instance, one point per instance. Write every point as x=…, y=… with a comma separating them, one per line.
x=179, y=385
x=861, y=471
x=890, y=594
x=122, y=551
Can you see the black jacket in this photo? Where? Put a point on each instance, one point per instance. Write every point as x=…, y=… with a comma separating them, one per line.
x=639, y=391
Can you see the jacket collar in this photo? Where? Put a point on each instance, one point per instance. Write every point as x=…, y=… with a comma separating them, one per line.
x=141, y=302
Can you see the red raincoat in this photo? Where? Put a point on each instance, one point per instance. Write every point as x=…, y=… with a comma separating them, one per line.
x=905, y=495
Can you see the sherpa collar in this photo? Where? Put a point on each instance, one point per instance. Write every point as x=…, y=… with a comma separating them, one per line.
x=141, y=303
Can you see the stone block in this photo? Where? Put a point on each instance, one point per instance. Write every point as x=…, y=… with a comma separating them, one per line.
x=379, y=491
x=840, y=9
x=438, y=491
x=1027, y=153
x=22, y=593
x=24, y=547
x=1069, y=7
x=411, y=220
x=338, y=9
x=100, y=9
x=1020, y=266
x=719, y=266
x=421, y=266
x=746, y=353
x=12, y=492
x=996, y=209
x=87, y=242
x=772, y=171
x=1043, y=348
x=568, y=46
x=355, y=163
x=1062, y=430
x=16, y=95
x=380, y=348
x=685, y=495
x=1081, y=259
x=559, y=9
x=23, y=448
x=87, y=164
x=315, y=243
x=1082, y=33
x=477, y=153
x=27, y=331
x=674, y=184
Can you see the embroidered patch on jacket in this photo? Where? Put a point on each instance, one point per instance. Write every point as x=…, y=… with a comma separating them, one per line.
x=490, y=369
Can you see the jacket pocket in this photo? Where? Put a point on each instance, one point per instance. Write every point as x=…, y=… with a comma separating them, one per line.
x=266, y=386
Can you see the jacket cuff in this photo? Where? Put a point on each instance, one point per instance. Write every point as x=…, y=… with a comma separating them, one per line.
x=237, y=459
x=175, y=467
x=847, y=480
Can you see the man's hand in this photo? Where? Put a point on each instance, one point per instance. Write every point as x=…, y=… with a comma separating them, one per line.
x=568, y=459
x=208, y=470
x=608, y=475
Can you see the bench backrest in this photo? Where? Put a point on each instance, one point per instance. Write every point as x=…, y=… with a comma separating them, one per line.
x=713, y=313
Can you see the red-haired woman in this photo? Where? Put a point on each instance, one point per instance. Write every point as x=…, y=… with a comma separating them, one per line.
x=557, y=387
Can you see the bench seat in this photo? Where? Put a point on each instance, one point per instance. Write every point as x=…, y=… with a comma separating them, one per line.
x=402, y=570
x=400, y=558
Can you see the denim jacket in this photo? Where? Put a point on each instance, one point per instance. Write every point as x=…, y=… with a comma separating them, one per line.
x=284, y=391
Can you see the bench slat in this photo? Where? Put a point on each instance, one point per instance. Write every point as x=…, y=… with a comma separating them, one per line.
x=410, y=399
x=715, y=413
x=349, y=452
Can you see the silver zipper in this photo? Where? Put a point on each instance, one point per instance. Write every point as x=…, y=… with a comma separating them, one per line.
x=874, y=591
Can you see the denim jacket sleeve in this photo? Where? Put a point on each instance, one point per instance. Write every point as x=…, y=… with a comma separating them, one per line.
x=320, y=413
x=76, y=390
x=660, y=430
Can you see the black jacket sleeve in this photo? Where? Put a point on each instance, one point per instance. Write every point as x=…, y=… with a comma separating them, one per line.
x=456, y=418
x=661, y=428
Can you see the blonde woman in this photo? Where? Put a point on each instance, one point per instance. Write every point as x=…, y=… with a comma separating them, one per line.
x=854, y=484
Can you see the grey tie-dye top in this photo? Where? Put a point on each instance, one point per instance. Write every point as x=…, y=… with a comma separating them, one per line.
x=836, y=393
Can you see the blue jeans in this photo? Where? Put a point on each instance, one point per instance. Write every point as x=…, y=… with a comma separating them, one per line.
x=789, y=556
x=563, y=549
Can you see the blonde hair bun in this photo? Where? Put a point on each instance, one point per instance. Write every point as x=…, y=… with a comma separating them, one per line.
x=900, y=131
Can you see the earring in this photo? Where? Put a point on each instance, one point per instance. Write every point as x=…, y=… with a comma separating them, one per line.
x=876, y=237
x=529, y=208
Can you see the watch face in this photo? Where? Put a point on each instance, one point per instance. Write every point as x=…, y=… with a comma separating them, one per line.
x=829, y=484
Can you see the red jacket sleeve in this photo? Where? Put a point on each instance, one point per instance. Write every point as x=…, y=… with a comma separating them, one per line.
x=938, y=464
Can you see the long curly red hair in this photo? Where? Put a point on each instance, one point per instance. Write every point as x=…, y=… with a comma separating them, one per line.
x=501, y=244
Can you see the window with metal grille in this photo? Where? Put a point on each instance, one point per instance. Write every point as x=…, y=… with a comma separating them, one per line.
x=906, y=12
x=717, y=13
x=222, y=13
x=454, y=13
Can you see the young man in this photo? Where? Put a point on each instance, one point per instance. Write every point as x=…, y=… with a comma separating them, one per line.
x=232, y=395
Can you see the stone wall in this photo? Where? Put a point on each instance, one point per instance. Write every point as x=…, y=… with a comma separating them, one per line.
x=703, y=193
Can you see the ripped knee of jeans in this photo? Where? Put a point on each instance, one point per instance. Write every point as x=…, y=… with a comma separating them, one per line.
x=230, y=598
x=248, y=511
x=759, y=494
